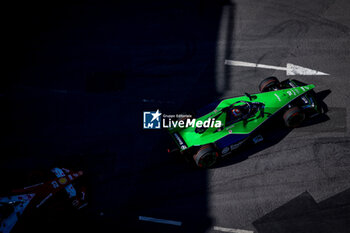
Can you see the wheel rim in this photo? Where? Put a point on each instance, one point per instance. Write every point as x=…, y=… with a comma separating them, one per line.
x=296, y=119
x=267, y=85
x=207, y=160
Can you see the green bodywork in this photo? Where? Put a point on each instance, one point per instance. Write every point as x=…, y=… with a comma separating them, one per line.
x=273, y=101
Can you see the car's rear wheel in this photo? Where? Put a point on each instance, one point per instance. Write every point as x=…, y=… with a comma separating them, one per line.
x=206, y=156
x=293, y=117
x=269, y=84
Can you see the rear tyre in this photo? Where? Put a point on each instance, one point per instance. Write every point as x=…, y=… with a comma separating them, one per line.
x=269, y=84
x=293, y=117
x=206, y=156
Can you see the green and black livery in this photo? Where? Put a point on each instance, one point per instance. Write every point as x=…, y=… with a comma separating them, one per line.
x=294, y=99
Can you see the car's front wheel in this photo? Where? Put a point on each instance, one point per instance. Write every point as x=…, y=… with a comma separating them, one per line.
x=269, y=84
x=206, y=156
x=293, y=117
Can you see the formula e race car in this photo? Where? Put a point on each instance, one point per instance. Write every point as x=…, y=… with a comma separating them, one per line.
x=242, y=117
x=33, y=197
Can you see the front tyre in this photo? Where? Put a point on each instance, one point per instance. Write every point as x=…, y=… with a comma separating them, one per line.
x=293, y=117
x=269, y=84
x=206, y=156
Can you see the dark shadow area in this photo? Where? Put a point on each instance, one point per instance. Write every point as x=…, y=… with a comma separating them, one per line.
x=321, y=95
x=315, y=120
x=79, y=76
x=304, y=214
x=102, y=82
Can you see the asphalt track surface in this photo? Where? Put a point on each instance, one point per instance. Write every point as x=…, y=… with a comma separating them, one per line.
x=79, y=75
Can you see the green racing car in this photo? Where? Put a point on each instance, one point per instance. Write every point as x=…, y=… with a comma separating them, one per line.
x=242, y=117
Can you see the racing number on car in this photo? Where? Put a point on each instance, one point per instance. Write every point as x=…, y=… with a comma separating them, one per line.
x=290, y=93
x=294, y=91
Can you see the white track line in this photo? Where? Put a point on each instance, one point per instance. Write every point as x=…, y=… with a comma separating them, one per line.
x=177, y=223
x=157, y=220
x=223, y=229
x=250, y=64
x=290, y=68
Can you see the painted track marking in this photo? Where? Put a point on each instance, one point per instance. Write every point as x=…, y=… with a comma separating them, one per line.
x=231, y=230
x=290, y=68
x=177, y=223
x=158, y=220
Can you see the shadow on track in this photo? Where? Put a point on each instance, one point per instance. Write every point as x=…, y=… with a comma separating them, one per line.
x=304, y=214
x=76, y=97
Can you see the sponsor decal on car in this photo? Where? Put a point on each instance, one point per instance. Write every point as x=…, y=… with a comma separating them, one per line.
x=225, y=150
x=180, y=141
x=257, y=139
x=62, y=180
x=279, y=99
x=235, y=146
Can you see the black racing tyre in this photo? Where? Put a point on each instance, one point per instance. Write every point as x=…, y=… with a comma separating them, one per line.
x=268, y=84
x=293, y=117
x=206, y=156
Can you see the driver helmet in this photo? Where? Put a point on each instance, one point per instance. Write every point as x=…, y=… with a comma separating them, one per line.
x=236, y=112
